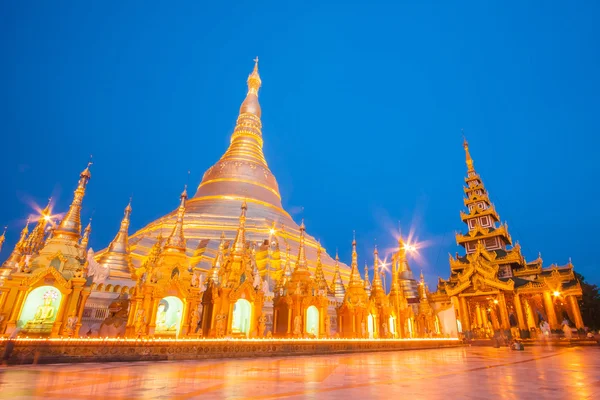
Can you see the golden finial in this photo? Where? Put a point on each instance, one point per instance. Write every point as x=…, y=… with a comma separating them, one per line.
x=469, y=160
x=254, y=81
x=3, y=237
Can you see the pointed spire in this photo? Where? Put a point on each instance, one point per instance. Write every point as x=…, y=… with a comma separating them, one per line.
x=239, y=244
x=3, y=238
x=301, y=263
x=337, y=285
x=35, y=241
x=246, y=152
x=366, y=281
x=355, y=279
x=319, y=274
x=17, y=253
x=469, y=160
x=287, y=271
x=118, y=258
x=85, y=239
x=177, y=240
x=70, y=226
x=213, y=274
x=377, y=283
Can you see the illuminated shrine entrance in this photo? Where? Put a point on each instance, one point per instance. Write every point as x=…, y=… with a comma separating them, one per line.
x=410, y=327
x=312, y=321
x=168, y=316
x=40, y=309
x=392, y=326
x=242, y=312
x=370, y=326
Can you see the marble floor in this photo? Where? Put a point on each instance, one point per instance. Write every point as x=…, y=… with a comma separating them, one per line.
x=455, y=373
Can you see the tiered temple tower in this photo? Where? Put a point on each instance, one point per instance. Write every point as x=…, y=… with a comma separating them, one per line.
x=492, y=287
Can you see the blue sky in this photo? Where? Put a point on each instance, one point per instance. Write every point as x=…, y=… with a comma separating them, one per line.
x=363, y=105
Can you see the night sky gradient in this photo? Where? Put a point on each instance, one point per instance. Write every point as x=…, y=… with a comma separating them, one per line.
x=363, y=105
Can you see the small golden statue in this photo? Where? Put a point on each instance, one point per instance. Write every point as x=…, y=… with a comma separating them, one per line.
x=262, y=325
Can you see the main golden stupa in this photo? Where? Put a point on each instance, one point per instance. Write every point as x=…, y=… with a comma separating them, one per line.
x=241, y=174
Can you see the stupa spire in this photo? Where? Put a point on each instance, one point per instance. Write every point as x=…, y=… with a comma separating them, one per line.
x=319, y=274
x=3, y=238
x=70, y=226
x=213, y=274
x=301, y=263
x=337, y=285
x=35, y=241
x=469, y=160
x=17, y=253
x=177, y=240
x=377, y=283
x=355, y=279
x=85, y=239
x=366, y=281
x=243, y=169
x=118, y=257
x=239, y=244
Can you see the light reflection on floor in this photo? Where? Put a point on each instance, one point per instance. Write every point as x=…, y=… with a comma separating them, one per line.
x=470, y=373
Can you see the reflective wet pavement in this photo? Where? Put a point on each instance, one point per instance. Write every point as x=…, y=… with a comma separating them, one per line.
x=469, y=373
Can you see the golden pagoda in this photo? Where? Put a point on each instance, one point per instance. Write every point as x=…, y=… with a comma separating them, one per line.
x=492, y=287
x=242, y=174
x=300, y=302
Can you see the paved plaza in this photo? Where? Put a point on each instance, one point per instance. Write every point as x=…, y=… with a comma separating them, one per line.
x=465, y=373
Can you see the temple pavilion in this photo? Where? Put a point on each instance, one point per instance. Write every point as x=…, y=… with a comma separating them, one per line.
x=492, y=287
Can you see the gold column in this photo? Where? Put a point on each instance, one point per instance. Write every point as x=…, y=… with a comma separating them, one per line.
x=230, y=319
x=503, y=311
x=275, y=312
x=17, y=307
x=84, y=297
x=495, y=322
x=576, y=311
x=550, y=312
x=60, y=315
x=478, y=315
x=289, y=329
x=464, y=314
x=519, y=309
x=529, y=315
x=152, y=324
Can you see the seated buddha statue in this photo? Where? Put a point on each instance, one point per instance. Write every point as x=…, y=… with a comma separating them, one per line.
x=161, y=318
x=43, y=314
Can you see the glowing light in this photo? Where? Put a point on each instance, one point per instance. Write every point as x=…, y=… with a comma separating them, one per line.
x=495, y=301
x=410, y=247
x=272, y=231
x=556, y=293
x=47, y=218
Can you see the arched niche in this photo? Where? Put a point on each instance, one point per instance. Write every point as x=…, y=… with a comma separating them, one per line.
x=168, y=316
x=40, y=309
x=312, y=321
